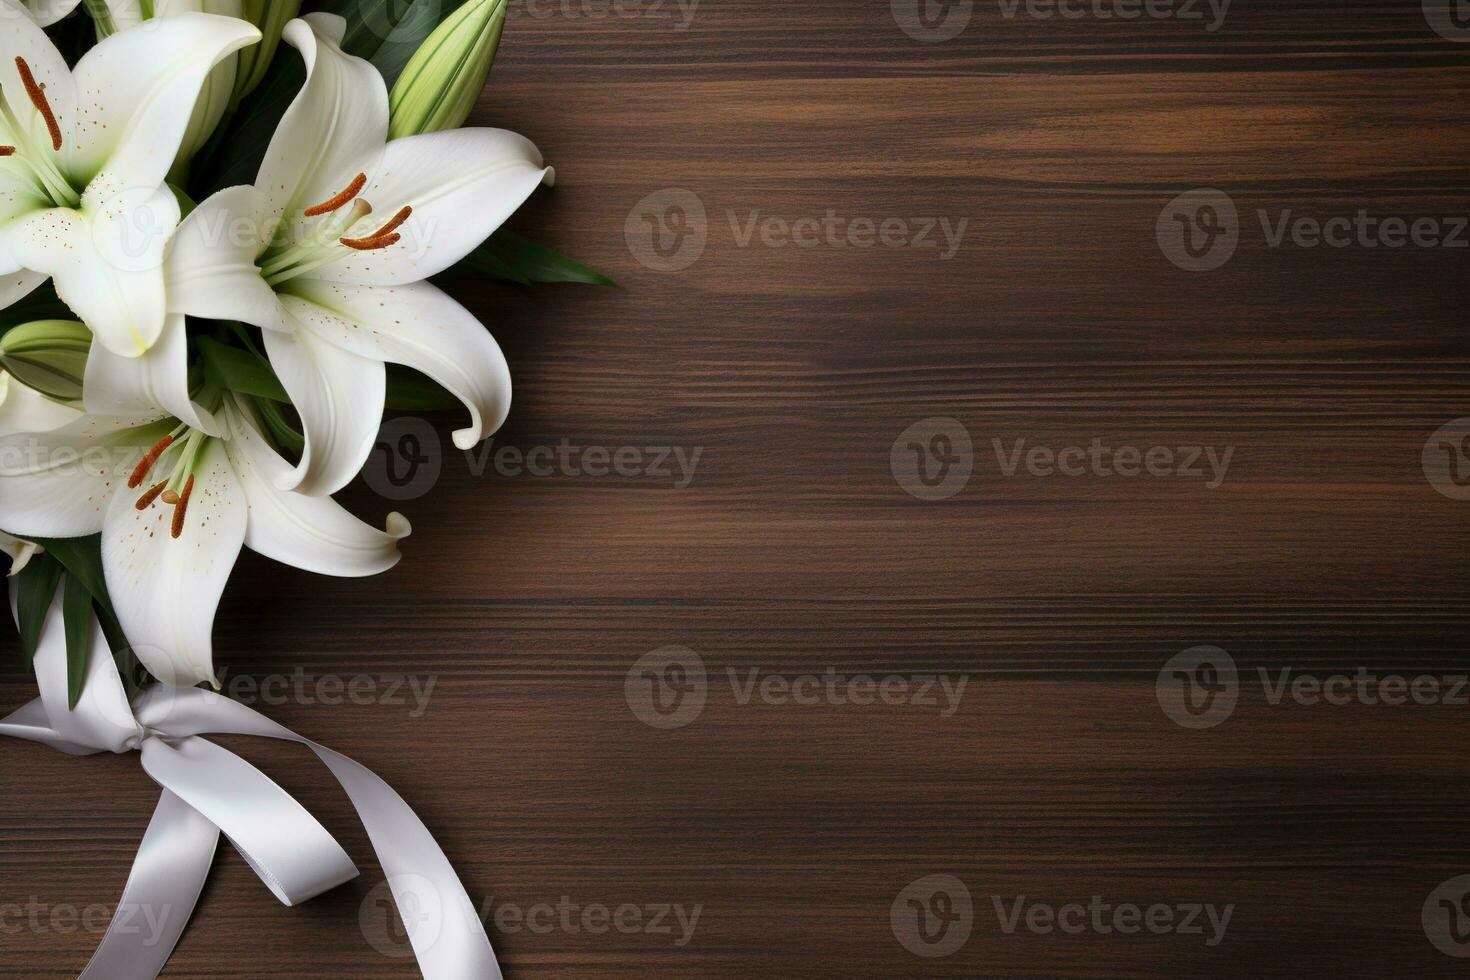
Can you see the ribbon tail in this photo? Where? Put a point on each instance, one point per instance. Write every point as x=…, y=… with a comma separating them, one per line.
x=168, y=874
x=443, y=925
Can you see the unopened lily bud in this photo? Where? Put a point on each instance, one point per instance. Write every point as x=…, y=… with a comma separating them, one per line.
x=444, y=77
x=49, y=356
x=271, y=16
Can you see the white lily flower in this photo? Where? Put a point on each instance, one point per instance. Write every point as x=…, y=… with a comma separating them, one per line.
x=174, y=506
x=83, y=157
x=20, y=551
x=336, y=291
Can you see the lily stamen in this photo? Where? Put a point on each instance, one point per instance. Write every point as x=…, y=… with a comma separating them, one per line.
x=180, y=508
x=146, y=463
x=150, y=494
x=393, y=222
x=338, y=199
x=371, y=242
x=6, y=151
x=37, y=95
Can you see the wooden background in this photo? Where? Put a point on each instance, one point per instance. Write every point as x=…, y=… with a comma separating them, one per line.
x=794, y=828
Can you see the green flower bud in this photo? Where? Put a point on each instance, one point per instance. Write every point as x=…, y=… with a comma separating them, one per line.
x=445, y=76
x=270, y=16
x=49, y=356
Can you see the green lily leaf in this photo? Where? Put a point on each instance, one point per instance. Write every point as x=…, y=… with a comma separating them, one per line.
x=388, y=32
x=76, y=615
x=408, y=391
x=82, y=559
x=283, y=430
x=240, y=370
x=515, y=258
x=35, y=585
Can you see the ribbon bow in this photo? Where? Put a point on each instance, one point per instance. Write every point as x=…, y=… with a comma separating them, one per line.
x=208, y=790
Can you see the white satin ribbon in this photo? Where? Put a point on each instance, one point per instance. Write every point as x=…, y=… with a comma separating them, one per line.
x=208, y=790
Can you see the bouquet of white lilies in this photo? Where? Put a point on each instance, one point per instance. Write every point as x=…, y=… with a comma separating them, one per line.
x=179, y=379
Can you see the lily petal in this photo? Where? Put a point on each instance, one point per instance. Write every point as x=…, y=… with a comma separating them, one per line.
x=214, y=94
x=20, y=551
x=25, y=410
x=166, y=589
x=339, y=397
x=339, y=117
x=211, y=269
x=18, y=197
x=461, y=183
x=135, y=92
x=159, y=380
x=58, y=484
x=312, y=533
x=417, y=325
x=18, y=285
x=106, y=261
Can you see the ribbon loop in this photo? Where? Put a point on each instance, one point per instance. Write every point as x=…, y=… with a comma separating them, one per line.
x=208, y=790
x=286, y=847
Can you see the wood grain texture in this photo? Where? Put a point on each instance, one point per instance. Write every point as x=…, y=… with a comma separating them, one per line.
x=793, y=828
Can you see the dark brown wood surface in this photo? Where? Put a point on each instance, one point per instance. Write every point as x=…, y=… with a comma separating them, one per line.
x=793, y=828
